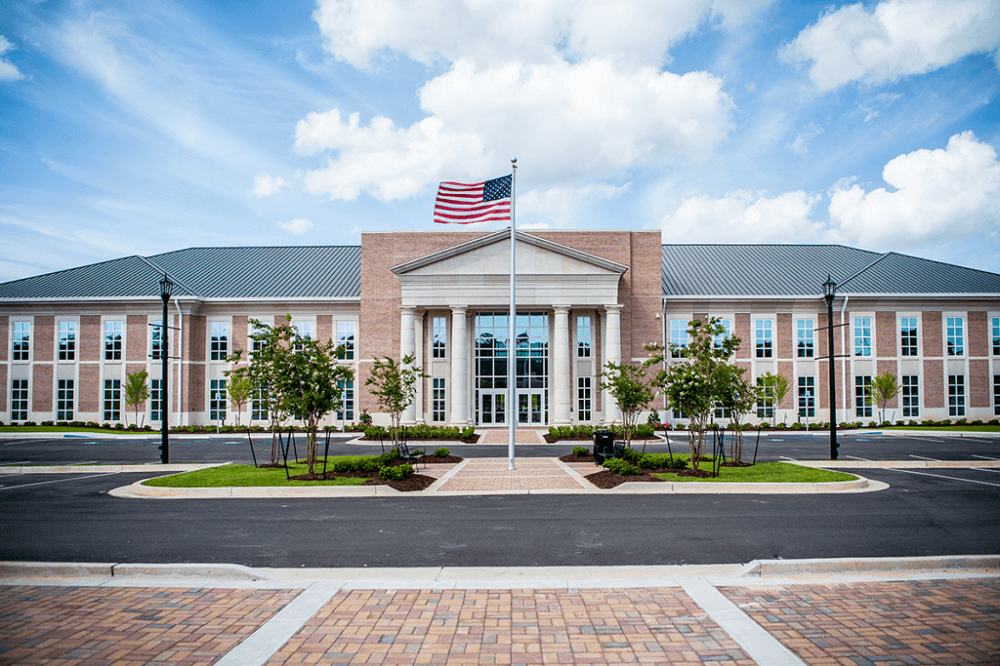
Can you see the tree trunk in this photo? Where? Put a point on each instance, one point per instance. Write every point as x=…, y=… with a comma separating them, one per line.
x=311, y=447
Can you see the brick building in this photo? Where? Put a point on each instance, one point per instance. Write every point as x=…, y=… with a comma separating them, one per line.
x=584, y=297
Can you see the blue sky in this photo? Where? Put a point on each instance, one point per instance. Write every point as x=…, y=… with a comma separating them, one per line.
x=139, y=128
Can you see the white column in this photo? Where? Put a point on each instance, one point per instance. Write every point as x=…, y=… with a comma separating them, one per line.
x=407, y=346
x=459, y=368
x=561, y=393
x=612, y=353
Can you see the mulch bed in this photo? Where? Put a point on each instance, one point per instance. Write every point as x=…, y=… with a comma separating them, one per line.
x=413, y=442
x=572, y=457
x=734, y=463
x=413, y=483
x=608, y=479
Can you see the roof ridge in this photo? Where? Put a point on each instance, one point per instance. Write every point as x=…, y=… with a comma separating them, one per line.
x=880, y=258
x=165, y=273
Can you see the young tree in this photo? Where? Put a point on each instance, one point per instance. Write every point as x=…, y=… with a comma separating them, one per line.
x=239, y=389
x=631, y=390
x=774, y=388
x=395, y=387
x=136, y=392
x=695, y=384
x=301, y=375
x=737, y=395
x=882, y=389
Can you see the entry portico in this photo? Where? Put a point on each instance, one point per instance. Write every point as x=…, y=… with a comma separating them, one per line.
x=562, y=293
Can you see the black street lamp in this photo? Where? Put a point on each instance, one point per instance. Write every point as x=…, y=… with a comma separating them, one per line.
x=166, y=287
x=829, y=293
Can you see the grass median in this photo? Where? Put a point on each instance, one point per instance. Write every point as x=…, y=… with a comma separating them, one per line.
x=767, y=472
x=236, y=476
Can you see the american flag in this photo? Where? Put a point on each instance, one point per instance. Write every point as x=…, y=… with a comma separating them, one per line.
x=464, y=203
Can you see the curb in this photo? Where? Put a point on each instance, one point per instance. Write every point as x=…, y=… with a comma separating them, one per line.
x=755, y=572
x=893, y=464
x=80, y=469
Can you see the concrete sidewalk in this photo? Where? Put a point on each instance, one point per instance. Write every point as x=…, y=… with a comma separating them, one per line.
x=815, y=612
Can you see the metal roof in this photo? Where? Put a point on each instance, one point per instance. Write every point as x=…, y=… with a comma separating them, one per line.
x=799, y=270
x=208, y=272
x=334, y=272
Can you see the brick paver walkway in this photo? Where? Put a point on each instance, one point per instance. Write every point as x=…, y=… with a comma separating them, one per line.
x=472, y=627
x=521, y=436
x=887, y=623
x=106, y=625
x=492, y=474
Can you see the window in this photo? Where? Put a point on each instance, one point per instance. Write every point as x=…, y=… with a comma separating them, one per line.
x=155, y=399
x=64, y=400
x=345, y=337
x=217, y=400
x=439, y=337
x=220, y=341
x=112, y=399
x=717, y=340
x=956, y=395
x=862, y=336
x=583, y=337
x=258, y=404
x=996, y=336
x=22, y=341
x=438, y=400
x=67, y=340
x=155, y=341
x=584, y=398
x=19, y=400
x=257, y=345
x=765, y=405
x=862, y=399
x=908, y=336
x=804, y=332
x=807, y=396
x=910, y=390
x=346, y=410
x=678, y=338
x=112, y=341
x=956, y=337
x=304, y=330
x=764, y=338
x=723, y=412
x=996, y=395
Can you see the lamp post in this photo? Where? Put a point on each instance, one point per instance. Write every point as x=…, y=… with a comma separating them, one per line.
x=829, y=293
x=166, y=287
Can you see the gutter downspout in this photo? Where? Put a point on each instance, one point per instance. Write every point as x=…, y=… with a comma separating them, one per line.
x=180, y=363
x=843, y=345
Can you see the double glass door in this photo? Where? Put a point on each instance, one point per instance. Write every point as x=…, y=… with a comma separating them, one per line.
x=531, y=407
x=492, y=407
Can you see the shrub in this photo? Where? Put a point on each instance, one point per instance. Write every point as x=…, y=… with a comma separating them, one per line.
x=912, y=423
x=623, y=467
x=468, y=432
x=658, y=460
x=899, y=423
x=581, y=451
x=397, y=473
x=365, y=419
x=376, y=432
x=91, y=424
x=147, y=428
x=417, y=452
x=885, y=424
x=442, y=452
x=798, y=426
x=106, y=426
x=944, y=422
x=929, y=422
x=977, y=422
x=132, y=426
x=780, y=426
x=47, y=423
x=872, y=424
x=681, y=426
x=631, y=455
x=994, y=422
x=843, y=424
x=962, y=422
x=119, y=426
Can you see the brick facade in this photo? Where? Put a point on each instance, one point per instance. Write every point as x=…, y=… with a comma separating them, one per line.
x=933, y=384
x=43, y=344
x=933, y=346
x=3, y=388
x=889, y=366
x=885, y=334
x=741, y=328
x=979, y=333
x=88, y=393
x=239, y=336
x=136, y=334
x=5, y=337
x=785, y=342
x=980, y=383
x=89, y=340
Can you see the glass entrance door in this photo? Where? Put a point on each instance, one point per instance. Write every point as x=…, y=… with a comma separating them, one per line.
x=531, y=408
x=492, y=407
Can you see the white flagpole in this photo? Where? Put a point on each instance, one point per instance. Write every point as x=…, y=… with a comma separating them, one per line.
x=511, y=342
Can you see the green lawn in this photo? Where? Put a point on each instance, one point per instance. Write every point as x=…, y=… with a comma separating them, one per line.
x=769, y=472
x=227, y=476
x=963, y=428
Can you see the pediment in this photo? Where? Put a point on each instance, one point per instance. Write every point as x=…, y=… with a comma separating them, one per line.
x=490, y=255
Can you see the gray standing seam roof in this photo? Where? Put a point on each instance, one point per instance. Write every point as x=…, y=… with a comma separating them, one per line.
x=208, y=272
x=334, y=272
x=801, y=270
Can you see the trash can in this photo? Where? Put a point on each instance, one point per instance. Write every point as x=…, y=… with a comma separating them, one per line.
x=604, y=445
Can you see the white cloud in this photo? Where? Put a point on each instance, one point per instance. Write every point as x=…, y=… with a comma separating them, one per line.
x=588, y=119
x=265, y=185
x=296, y=227
x=563, y=199
x=8, y=70
x=940, y=195
x=743, y=217
x=899, y=38
x=800, y=146
x=638, y=31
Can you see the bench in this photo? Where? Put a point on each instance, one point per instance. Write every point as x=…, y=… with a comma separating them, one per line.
x=404, y=454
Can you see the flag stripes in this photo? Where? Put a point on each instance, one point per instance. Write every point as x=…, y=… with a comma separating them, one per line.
x=466, y=203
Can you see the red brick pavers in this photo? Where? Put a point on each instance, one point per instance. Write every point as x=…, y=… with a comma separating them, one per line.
x=472, y=627
x=120, y=626
x=521, y=436
x=884, y=623
x=479, y=474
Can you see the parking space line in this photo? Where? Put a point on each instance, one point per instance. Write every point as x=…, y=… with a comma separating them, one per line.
x=941, y=476
x=984, y=457
x=13, y=464
x=72, y=478
x=986, y=469
x=923, y=458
